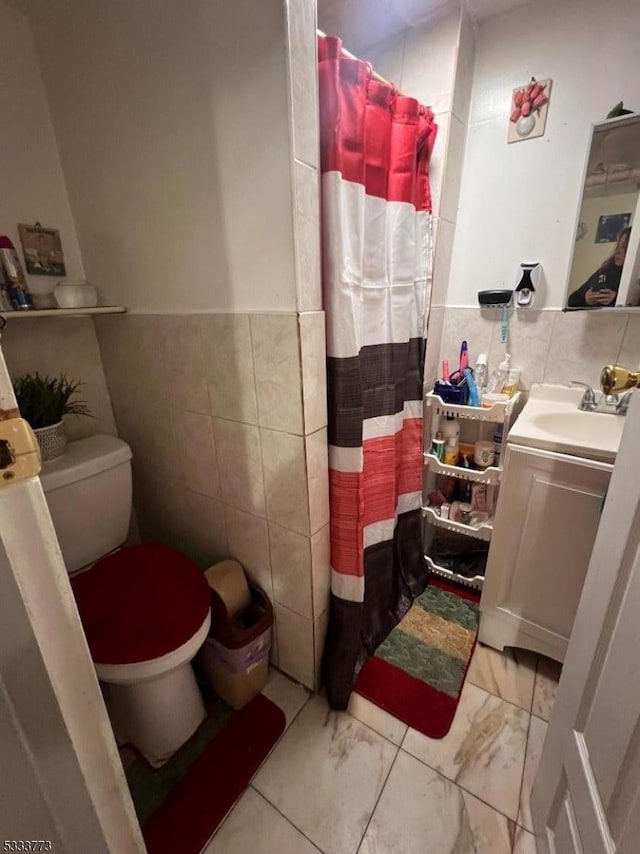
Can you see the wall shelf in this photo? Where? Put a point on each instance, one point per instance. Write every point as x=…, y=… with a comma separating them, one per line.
x=475, y=582
x=63, y=312
x=480, y=532
x=489, y=475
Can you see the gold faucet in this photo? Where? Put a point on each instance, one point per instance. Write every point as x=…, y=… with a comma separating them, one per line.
x=615, y=378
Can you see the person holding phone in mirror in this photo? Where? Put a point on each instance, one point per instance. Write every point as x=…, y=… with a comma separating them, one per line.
x=601, y=288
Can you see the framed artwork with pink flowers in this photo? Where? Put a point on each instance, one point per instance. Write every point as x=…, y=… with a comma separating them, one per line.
x=529, y=107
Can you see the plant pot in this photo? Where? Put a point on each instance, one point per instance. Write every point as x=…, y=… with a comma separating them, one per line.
x=52, y=441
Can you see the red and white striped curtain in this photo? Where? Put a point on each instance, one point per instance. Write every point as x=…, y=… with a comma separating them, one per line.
x=376, y=208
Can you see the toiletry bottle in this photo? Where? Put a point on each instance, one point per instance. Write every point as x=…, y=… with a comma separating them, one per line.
x=16, y=282
x=512, y=382
x=499, y=376
x=451, y=452
x=474, y=394
x=450, y=428
x=497, y=441
x=481, y=372
x=437, y=446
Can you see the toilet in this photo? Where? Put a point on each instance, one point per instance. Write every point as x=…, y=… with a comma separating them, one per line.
x=145, y=609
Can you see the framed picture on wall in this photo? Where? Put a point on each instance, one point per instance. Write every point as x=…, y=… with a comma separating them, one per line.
x=610, y=226
x=529, y=107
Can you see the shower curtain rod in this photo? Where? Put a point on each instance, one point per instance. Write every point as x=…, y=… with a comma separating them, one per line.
x=349, y=55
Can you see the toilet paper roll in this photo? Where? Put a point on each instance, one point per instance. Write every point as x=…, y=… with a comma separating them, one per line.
x=229, y=581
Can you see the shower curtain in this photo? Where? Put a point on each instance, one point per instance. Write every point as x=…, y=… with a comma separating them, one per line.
x=376, y=215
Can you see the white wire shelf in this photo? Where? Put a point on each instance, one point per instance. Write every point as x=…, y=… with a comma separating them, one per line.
x=495, y=414
x=482, y=531
x=476, y=582
x=490, y=476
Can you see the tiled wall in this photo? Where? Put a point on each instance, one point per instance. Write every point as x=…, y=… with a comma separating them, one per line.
x=549, y=346
x=230, y=454
x=65, y=345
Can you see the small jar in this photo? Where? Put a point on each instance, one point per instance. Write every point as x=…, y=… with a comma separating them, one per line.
x=465, y=513
x=484, y=454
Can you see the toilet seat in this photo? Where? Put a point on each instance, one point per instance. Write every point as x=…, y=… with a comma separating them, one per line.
x=141, y=604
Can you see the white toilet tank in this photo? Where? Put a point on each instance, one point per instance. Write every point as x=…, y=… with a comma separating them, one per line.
x=88, y=491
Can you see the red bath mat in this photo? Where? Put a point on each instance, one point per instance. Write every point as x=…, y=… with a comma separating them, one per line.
x=418, y=672
x=182, y=804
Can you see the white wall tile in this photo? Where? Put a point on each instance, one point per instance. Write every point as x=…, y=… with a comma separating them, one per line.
x=477, y=328
x=314, y=370
x=318, y=477
x=285, y=480
x=464, y=66
x=303, y=80
x=321, y=570
x=240, y=465
x=629, y=355
x=530, y=334
x=438, y=161
x=295, y=645
x=453, y=170
x=434, y=340
x=444, y=235
x=206, y=529
x=320, y=628
x=226, y=340
x=196, y=452
x=582, y=343
x=388, y=57
x=249, y=545
x=307, y=236
x=429, y=62
x=71, y=348
x=291, y=569
x=276, y=358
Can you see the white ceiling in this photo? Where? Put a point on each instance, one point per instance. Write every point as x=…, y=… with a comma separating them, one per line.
x=364, y=23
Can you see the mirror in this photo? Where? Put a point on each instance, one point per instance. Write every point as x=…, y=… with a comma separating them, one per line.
x=605, y=270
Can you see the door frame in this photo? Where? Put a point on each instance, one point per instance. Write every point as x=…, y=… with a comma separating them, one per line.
x=48, y=679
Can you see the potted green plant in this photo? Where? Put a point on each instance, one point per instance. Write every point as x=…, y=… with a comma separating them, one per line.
x=43, y=401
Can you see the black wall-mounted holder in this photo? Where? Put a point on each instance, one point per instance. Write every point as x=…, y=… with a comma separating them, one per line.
x=500, y=298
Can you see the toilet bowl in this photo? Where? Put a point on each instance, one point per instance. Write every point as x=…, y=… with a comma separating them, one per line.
x=145, y=609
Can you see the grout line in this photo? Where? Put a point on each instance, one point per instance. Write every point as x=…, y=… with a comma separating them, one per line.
x=526, y=750
x=288, y=820
x=375, y=806
x=460, y=786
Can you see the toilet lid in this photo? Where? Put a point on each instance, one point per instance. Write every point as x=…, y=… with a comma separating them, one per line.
x=140, y=603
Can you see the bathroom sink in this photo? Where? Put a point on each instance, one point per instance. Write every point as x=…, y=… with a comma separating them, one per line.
x=552, y=421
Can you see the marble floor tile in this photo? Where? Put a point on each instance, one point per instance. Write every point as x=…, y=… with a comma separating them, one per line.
x=288, y=695
x=537, y=733
x=373, y=716
x=544, y=692
x=254, y=827
x=325, y=776
x=483, y=751
x=525, y=842
x=421, y=812
x=509, y=674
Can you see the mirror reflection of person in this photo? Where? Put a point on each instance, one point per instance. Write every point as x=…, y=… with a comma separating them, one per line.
x=601, y=288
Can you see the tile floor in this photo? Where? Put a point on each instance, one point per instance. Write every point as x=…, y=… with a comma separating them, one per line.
x=362, y=781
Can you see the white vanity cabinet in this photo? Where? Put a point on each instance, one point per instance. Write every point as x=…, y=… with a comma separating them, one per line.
x=545, y=525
